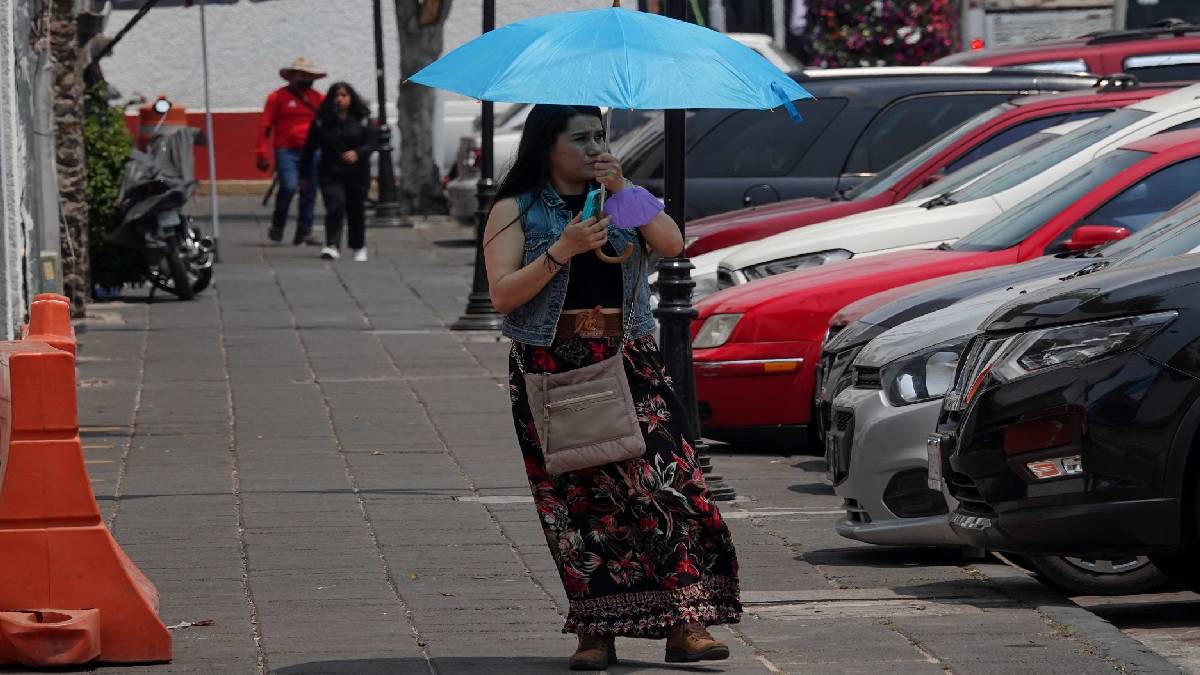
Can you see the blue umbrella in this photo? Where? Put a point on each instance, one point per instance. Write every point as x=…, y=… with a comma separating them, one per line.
x=613, y=58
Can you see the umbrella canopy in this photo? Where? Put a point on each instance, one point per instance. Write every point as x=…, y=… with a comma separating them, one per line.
x=614, y=58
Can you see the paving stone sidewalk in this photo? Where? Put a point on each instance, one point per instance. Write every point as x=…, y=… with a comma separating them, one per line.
x=306, y=456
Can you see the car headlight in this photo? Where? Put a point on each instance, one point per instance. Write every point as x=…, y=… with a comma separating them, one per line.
x=716, y=330
x=1076, y=344
x=796, y=262
x=923, y=376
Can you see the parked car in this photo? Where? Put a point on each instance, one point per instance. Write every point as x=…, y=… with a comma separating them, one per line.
x=1072, y=425
x=1158, y=54
x=971, y=141
x=922, y=222
x=861, y=121
x=707, y=274
x=756, y=347
x=887, y=402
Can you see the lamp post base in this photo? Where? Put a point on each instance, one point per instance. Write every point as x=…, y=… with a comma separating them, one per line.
x=387, y=214
x=479, y=314
x=716, y=482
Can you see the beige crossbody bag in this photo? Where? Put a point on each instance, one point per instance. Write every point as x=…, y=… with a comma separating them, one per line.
x=586, y=417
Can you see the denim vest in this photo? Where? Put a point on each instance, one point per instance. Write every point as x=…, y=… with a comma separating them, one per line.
x=544, y=219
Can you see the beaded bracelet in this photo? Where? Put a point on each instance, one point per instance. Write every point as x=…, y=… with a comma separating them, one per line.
x=554, y=260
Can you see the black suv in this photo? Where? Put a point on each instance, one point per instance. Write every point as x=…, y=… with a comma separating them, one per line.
x=861, y=121
x=1072, y=427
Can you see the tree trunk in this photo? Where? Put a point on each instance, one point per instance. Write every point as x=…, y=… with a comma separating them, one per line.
x=420, y=28
x=69, y=152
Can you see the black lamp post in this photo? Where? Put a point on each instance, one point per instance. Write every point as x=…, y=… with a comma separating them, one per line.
x=480, y=315
x=387, y=210
x=675, y=312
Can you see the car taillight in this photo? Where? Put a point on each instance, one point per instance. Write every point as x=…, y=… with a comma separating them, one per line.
x=977, y=44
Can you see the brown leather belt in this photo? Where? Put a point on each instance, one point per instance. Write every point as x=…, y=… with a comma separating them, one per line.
x=589, y=323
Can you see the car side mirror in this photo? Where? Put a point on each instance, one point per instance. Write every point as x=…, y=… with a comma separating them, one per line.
x=1091, y=236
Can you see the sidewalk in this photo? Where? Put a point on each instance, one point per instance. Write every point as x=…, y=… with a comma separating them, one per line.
x=308, y=457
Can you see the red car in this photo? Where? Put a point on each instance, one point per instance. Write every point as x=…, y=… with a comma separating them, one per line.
x=757, y=345
x=1164, y=54
x=978, y=137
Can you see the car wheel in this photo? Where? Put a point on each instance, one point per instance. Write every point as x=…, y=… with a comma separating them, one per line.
x=1092, y=576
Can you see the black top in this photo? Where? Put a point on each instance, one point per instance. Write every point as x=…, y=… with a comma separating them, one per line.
x=334, y=137
x=592, y=281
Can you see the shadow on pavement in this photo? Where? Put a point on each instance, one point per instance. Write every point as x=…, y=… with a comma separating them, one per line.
x=1156, y=611
x=813, y=465
x=888, y=557
x=812, y=489
x=472, y=664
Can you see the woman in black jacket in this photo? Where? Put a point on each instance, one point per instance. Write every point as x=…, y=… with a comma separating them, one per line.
x=342, y=138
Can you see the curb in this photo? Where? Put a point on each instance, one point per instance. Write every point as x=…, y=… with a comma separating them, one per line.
x=1105, y=637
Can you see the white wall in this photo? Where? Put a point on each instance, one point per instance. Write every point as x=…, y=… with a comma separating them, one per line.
x=16, y=224
x=249, y=41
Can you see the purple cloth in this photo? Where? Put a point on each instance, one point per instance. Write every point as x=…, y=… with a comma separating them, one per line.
x=632, y=207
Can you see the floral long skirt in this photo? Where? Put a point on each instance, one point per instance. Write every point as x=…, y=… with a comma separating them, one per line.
x=640, y=545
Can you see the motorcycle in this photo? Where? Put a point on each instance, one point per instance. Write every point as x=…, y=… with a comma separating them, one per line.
x=157, y=183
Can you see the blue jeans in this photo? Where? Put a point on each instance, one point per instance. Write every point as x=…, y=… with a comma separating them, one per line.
x=287, y=166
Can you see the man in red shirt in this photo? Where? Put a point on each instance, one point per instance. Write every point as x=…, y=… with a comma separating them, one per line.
x=286, y=117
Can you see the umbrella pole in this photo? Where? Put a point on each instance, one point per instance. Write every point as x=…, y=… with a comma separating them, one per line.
x=675, y=311
x=210, y=142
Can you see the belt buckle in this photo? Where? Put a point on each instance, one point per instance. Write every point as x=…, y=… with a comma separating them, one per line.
x=589, y=324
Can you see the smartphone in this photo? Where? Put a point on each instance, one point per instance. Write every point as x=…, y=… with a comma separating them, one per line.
x=591, y=205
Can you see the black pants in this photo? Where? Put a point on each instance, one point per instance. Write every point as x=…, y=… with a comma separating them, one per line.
x=345, y=199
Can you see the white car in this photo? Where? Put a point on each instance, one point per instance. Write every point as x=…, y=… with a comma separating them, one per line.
x=923, y=222
x=708, y=265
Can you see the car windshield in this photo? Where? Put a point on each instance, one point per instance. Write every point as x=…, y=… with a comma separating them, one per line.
x=884, y=180
x=974, y=170
x=1050, y=154
x=1176, y=233
x=1012, y=227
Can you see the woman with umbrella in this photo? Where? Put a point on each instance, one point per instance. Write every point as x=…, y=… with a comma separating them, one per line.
x=640, y=546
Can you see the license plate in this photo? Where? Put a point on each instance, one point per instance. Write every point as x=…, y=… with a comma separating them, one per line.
x=933, y=447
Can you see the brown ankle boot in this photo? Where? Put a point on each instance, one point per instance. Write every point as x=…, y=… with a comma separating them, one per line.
x=690, y=642
x=595, y=652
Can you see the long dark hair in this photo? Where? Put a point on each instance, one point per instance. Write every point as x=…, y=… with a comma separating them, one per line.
x=530, y=172
x=328, y=110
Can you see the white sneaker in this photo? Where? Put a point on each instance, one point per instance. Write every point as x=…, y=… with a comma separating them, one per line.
x=330, y=253
x=360, y=255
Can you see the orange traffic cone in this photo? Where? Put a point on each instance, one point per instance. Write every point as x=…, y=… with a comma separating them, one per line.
x=69, y=594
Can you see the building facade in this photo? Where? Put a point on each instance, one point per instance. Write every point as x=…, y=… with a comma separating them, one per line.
x=29, y=217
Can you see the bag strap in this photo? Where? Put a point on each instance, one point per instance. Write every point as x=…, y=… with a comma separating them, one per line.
x=627, y=327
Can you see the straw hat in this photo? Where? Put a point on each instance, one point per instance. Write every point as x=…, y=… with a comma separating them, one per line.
x=302, y=65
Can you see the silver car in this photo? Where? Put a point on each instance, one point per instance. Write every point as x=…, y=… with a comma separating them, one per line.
x=887, y=395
